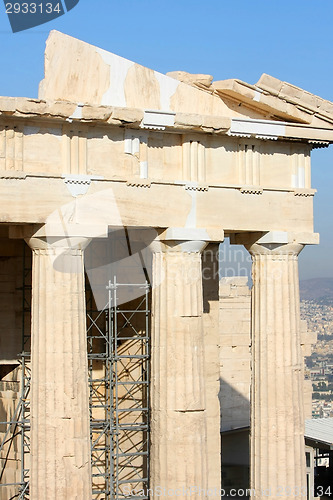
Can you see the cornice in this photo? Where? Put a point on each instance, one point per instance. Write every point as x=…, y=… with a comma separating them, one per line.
x=78, y=114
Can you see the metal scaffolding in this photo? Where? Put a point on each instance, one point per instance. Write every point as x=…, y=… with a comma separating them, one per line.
x=26, y=371
x=16, y=434
x=118, y=360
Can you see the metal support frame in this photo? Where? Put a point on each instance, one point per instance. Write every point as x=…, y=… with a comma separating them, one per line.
x=26, y=371
x=118, y=360
x=99, y=397
x=18, y=427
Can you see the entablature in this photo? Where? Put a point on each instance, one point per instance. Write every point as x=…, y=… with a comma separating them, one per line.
x=56, y=139
x=36, y=198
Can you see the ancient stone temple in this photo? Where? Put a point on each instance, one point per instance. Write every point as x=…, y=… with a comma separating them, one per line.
x=123, y=356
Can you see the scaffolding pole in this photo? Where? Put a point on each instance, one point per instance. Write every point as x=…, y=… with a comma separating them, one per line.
x=118, y=360
x=17, y=428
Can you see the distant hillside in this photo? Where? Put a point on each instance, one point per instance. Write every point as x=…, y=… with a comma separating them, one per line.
x=317, y=289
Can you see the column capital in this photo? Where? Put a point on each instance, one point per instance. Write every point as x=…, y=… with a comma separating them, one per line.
x=55, y=245
x=209, y=234
x=53, y=235
x=185, y=239
x=53, y=239
x=179, y=246
x=273, y=240
x=274, y=249
x=64, y=252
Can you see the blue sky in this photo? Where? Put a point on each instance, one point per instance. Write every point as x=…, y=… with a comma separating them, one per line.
x=291, y=40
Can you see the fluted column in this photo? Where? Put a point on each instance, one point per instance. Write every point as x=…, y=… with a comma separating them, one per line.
x=178, y=419
x=60, y=436
x=277, y=415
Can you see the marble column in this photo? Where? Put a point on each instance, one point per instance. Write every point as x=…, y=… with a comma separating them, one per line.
x=60, y=435
x=277, y=414
x=178, y=404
